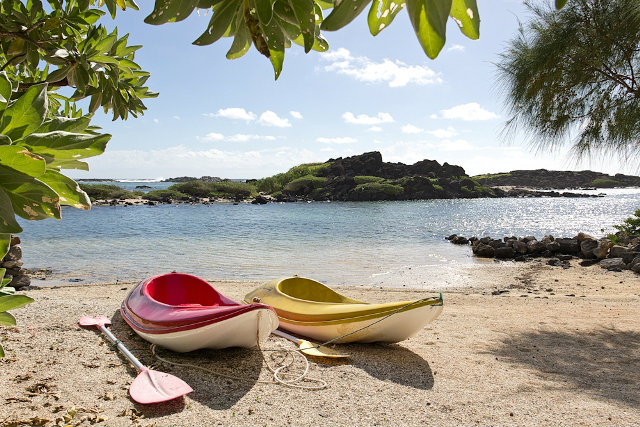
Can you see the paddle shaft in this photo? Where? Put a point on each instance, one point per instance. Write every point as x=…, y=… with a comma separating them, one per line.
x=139, y=366
x=282, y=334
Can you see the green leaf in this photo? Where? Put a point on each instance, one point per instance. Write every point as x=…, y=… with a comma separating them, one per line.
x=58, y=75
x=170, y=11
x=31, y=199
x=5, y=242
x=77, y=124
x=304, y=11
x=382, y=13
x=241, y=43
x=265, y=10
x=223, y=14
x=343, y=13
x=429, y=20
x=68, y=164
x=8, y=223
x=66, y=145
x=19, y=158
x=1, y=351
x=560, y=4
x=3, y=271
x=465, y=13
x=69, y=191
x=6, y=319
x=14, y=301
x=26, y=114
x=5, y=90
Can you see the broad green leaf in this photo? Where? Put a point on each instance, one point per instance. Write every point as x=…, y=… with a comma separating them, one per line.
x=5, y=140
x=284, y=11
x=560, y=4
x=264, y=8
x=5, y=90
x=304, y=11
x=241, y=43
x=69, y=191
x=292, y=31
x=66, y=145
x=78, y=124
x=223, y=14
x=30, y=198
x=275, y=43
x=170, y=11
x=8, y=223
x=343, y=13
x=465, y=13
x=1, y=351
x=325, y=4
x=6, y=319
x=319, y=44
x=382, y=13
x=429, y=20
x=19, y=158
x=26, y=114
x=14, y=301
x=103, y=59
x=68, y=164
x=104, y=45
x=3, y=271
x=5, y=242
x=58, y=75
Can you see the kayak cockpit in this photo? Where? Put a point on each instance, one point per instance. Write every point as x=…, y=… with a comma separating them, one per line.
x=179, y=289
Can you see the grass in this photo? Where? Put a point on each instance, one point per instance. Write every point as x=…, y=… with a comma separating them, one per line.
x=604, y=183
x=380, y=187
x=166, y=196
x=107, y=192
x=278, y=182
x=305, y=184
x=364, y=179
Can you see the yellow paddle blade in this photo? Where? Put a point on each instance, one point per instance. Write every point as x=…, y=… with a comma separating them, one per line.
x=311, y=349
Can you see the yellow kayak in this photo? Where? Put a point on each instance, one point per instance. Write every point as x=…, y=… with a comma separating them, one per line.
x=309, y=308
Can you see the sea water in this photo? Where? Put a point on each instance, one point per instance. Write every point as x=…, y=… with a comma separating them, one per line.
x=389, y=244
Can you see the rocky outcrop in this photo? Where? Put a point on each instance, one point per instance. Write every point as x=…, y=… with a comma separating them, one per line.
x=12, y=261
x=546, y=179
x=616, y=257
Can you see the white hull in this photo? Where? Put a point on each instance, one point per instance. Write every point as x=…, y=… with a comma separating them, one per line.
x=395, y=328
x=238, y=331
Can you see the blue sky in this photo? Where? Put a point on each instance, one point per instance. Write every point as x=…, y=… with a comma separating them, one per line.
x=232, y=119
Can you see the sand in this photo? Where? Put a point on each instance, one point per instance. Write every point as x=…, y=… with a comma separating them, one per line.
x=559, y=347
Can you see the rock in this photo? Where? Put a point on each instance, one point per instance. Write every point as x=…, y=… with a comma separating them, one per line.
x=618, y=251
x=259, y=200
x=602, y=250
x=589, y=262
x=612, y=263
x=14, y=254
x=527, y=239
x=20, y=281
x=520, y=258
x=568, y=246
x=504, y=252
x=554, y=262
x=565, y=257
x=629, y=256
x=634, y=262
x=553, y=247
x=11, y=264
x=547, y=239
x=494, y=243
x=484, y=251
x=581, y=237
x=520, y=247
x=535, y=247
x=486, y=240
x=451, y=237
x=460, y=240
x=587, y=246
x=15, y=240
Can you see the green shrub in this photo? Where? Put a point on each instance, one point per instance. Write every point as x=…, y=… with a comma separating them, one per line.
x=194, y=188
x=630, y=226
x=166, y=196
x=278, y=182
x=364, y=179
x=305, y=184
x=232, y=189
x=438, y=187
x=605, y=183
x=379, y=187
x=106, y=191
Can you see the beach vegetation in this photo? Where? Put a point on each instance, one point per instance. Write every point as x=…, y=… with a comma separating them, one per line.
x=166, y=196
x=232, y=189
x=108, y=192
x=605, y=183
x=305, y=184
x=363, y=179
x=572, y=77
x=490, y=176
x=629, y=228
x=383, y=188
x=195, y=188
x=279, y=181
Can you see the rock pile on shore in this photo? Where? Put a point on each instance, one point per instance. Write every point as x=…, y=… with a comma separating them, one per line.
x=624, y=255
x=12, y=261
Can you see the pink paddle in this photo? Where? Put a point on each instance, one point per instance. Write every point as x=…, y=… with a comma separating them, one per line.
x=149, y=386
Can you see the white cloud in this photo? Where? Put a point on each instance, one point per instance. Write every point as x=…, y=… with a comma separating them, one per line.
x=269, y=118
x=337, y=140
x=175, y=117
x=411, y=129
x=156, y=121
x=455, y=145
x=443, y=133
x=433, y=116
x=395, y=73
x=211, y=137
x=363, y=119
x=240, y=137
x=296, y=114
x=468, y=112
x=455, y=48
x=375, y=129
x=234, y=113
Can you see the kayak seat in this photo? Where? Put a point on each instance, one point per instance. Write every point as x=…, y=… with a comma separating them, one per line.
x=183, y=290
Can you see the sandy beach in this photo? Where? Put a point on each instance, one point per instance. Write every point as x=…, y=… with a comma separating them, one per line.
x=531, y=345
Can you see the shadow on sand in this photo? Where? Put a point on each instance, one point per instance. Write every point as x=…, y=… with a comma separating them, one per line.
x=391, y=362
x=209, y=389
x=603, y=362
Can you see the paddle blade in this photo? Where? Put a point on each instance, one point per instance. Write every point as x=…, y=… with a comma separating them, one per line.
x=154, y=387
x=311, y=349
x=87, y=321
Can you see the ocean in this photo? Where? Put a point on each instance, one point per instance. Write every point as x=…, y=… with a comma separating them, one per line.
x=387, y=244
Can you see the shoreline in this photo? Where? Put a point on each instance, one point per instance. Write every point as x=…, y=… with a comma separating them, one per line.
x=560, y=347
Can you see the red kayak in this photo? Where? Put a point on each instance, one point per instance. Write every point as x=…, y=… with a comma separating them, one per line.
x=183, y=313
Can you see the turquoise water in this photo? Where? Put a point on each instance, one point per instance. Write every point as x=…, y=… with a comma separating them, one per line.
x=391, y=244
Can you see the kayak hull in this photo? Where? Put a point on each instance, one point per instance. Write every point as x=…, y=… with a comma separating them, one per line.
x=183, y=313
x=309, y=308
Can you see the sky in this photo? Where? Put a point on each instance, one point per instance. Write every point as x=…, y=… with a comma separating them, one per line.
x=231, y=119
